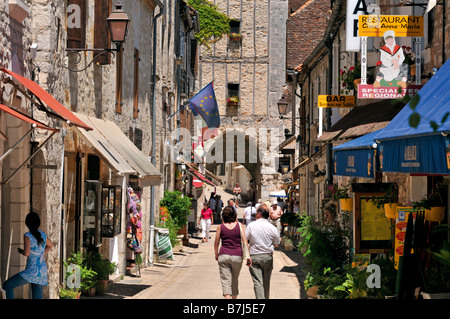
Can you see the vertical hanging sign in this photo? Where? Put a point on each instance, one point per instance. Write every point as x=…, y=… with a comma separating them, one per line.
x=393, y=77
x=355, y=8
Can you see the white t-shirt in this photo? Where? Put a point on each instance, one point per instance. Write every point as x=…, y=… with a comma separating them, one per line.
x=262, y=237
x=248, y=213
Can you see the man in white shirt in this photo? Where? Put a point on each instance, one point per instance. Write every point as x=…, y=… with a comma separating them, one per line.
x=263, y=238
x=249, y=213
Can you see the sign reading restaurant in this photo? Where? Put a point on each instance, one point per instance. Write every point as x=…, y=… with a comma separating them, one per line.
x=403, y=26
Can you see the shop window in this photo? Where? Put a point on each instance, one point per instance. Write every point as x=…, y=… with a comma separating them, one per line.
x=92, y=235
x=93, y=167
x=111, y=211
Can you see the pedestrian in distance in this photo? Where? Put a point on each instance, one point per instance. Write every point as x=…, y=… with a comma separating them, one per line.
x=212, y=202
x=206, y=218
x=249, y=213
x=237, y=194
x=230, y=255
x=230, y=202
x=258, y=203
x=275, y=213
x=263, y=238
x=219, y=207
x=36, y=245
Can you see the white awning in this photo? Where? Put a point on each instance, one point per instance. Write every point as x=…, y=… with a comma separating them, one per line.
x=109, y=142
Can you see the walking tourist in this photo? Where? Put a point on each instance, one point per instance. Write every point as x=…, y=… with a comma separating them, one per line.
x=219, y=207
x=231, y=203
x=249, y=213
x=275, y=213
x=263, y=237
x=36, y=244
x=206, y=218
x=258, y=203
x=230, y=254
x=237, y=194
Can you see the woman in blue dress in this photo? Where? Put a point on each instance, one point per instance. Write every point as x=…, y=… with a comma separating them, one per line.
x=36, y=244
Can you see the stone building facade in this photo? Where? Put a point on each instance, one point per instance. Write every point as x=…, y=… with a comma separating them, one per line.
x=133, y=90
x=252, y=69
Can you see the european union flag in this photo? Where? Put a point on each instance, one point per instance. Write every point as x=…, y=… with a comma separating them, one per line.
x=204, y=104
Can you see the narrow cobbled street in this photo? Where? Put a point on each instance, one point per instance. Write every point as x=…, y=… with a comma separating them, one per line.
x=194, y=274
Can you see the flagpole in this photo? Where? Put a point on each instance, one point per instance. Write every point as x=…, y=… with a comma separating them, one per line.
x=179, y=110
x=187, y=103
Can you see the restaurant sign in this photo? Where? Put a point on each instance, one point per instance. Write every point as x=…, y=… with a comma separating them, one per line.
x=403, y=26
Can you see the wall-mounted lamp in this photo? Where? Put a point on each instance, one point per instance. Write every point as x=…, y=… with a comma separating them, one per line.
x=282, y=109
x=118, y=22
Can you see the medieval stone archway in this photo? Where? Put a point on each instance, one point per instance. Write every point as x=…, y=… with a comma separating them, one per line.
x=253, y=148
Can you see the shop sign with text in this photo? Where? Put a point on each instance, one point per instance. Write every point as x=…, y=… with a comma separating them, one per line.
x=328, y=101
x=369, y=91
x=403, y=26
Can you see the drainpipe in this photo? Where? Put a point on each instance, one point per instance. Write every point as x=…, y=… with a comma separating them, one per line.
x=153, y=115
x=329, y=157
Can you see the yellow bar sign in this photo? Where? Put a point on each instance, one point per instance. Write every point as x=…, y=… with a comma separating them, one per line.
x=336, y=101
x=403, y=26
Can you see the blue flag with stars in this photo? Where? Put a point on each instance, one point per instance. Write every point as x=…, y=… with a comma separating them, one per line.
x=204, y=104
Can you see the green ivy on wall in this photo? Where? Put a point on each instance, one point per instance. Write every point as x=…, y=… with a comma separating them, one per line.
x=213, y=24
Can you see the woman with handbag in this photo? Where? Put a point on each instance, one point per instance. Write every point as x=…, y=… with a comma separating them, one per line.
x=233, y=251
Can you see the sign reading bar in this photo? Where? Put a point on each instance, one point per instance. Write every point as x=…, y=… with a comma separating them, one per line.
x=403, y=26
x=328, y=101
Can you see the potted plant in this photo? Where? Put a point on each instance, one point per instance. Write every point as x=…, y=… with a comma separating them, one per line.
x=103, y=267
x=178, y=207
x=235, y=36
x=432, y=204
x=87, y=275
x=67, y=293
x=388, y=201
x=437, y=278
x=343, y=195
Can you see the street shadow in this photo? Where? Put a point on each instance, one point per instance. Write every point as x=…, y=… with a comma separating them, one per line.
x=300, y=269
x=122, y=290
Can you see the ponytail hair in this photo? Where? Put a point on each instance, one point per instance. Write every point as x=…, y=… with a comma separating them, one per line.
x=32, y=221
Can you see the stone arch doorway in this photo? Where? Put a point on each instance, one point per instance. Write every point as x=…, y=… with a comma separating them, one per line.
x=252, y=150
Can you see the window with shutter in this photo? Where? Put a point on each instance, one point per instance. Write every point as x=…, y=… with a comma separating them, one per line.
x=136, y=84
x=76, y=24
x=102, y=37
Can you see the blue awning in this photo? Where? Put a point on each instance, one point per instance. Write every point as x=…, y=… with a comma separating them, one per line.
x=407, y=149
x=357, y=157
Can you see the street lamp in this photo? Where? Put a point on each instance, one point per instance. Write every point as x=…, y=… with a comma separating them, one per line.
x=118, y=25
x=282, y=106
x=118, y=22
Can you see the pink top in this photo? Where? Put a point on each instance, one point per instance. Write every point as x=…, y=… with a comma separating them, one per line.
x=231, y=241
x=206, y=214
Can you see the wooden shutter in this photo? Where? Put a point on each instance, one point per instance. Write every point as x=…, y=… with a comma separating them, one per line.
x=102, y=37
x=136, y=84
x=76, y=37
x=119, y=74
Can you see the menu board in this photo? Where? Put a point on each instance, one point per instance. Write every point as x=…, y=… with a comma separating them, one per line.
x=401, y=222
x=374, y=224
